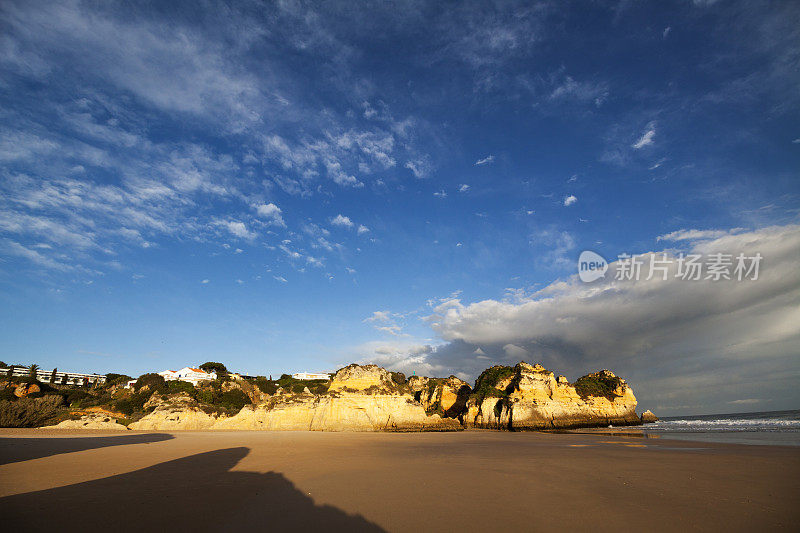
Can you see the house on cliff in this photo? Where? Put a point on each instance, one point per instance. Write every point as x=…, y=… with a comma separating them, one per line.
x=190, y=374
x=311, y=375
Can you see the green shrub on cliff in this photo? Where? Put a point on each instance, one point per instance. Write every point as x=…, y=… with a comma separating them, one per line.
x=116, y=379
x=266, y=386
x=233, y=400
x=316, y=386
x=29, y=412
x=8, y=394
x=74, y=396
x=598, y=384
x=176, y=386
x=153, y=382
x=485, y=385
x=132, y=404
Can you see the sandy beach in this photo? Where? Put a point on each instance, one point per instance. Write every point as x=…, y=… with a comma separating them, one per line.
x=468, y=481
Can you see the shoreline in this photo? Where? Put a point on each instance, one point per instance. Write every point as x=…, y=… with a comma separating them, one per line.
x=632, y=432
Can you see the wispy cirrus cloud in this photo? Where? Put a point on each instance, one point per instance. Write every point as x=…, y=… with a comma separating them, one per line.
x=647, y=137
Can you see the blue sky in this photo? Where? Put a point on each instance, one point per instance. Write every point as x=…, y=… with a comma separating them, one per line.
x=289, y=186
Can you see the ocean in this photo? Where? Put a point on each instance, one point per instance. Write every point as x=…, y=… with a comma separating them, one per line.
x=766, y=428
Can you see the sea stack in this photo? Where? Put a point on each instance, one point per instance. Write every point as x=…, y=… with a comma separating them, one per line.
x=648, y=417
x=531, y=397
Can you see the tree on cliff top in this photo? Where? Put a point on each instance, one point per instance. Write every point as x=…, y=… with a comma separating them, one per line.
x=211, y=366
x=153, y=382
x=32, y=372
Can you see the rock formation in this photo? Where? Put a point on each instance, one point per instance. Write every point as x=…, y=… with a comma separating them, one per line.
x=90, y=421
x=648, y=417
x=174, y=412
x=350, y=412
x=354, y=378
x=369, y=398
x=360, y=398
x=24, y=389
x=446, y=397
x=531, y=397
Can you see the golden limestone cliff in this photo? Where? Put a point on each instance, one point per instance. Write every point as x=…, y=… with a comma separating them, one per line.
x=176, y=412
x=446, y=397
x=531, y=397
x=360, y=398
x=648, y=417
x=369, y=398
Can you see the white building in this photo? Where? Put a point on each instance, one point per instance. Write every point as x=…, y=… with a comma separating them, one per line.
x=62, y=378
x=311, y=375
x=169, y=375
x=192, y=375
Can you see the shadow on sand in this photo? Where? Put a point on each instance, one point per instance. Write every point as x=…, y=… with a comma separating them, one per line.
x=195, y=493
x=22, y=449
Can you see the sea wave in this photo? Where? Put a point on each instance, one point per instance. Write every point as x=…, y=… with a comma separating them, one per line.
x=756, y=424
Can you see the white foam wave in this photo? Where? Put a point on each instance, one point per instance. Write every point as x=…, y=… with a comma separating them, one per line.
x=753, y=424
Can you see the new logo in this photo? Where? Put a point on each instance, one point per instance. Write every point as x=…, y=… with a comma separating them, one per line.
x=591, y=266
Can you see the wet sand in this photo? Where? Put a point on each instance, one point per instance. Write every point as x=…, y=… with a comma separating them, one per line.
x=468, y=481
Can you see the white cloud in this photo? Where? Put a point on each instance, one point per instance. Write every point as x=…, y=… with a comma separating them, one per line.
x=746, y=401
x=362, y=229
x=272, y=213
x=440, y=194
x=488, y=160
x=421, y=167
x=400, y=356
x=205, y=281
x=369, y=111
x=339, y=176
x=342, y=221
x=666, y=31
x=314, y=261
x=514, y=352
x=647, y=137
x=280, y=278
x=19, y=250
x=236, y=228
x=379, y=316
x=696, y=235
x=463, y=187
x=678, y=342
x=569, y=200
x=596, y=93
x=392, y=330
x=291, y=254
